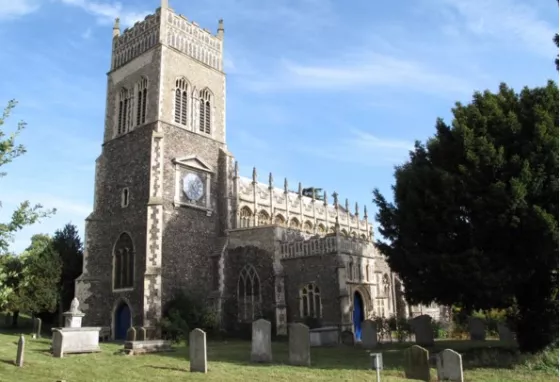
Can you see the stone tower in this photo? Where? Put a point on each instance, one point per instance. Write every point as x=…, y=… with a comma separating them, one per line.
x=162, y=181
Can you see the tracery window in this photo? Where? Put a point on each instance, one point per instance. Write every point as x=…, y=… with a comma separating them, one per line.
x=204, y=114
x=263, y=218
x=310, y=301
x=321, y=228
x=294, y=223
x=279, y=219
x=245, y=217
x=248, y=294
x=124, y=109
x=123, y=263
x=308, y=226
x=181, y=101
x=141, y=101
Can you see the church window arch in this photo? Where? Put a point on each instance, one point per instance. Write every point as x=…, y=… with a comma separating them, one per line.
x=263, y=218
x=353, y=234
x=351, y=270
x=363, y=236
x=125, y=197
x=310, y=301
x=181, y=100
x=123, y=262
x=205, y=111
x=367, y=272
x=141, y=101
x=248, y=294
x=385, y=285
x=344, y=232
x=279, y=220
x=321, y=228
x=308, y=226
x=245, y=217
x=124, y=111
x=332, y=230
x=294, y=223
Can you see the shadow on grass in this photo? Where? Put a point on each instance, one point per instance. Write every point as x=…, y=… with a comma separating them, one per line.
x=166, y=368
x=8, y=362
x=476, y=354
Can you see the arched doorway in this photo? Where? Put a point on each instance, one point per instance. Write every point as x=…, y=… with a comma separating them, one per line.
x=122, y=321
x=358, y=315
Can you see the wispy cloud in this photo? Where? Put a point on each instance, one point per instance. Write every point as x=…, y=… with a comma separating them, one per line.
x=362, y=148
x=10, y=9
x=106, y=13
x=510, y=22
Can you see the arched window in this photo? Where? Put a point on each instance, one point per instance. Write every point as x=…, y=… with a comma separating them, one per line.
x=308, y=226
x=205, y=98
x=181, y=95
x=294, y=223
x=123, y=262
x=353, y=234
x=386, y=285
x=125, y=197
x=363, y=236
x=310, y=301
x=264, y=218
x=245, y=217
x=248, y=294
x=344, y=232
x=141, y=101
x=123, y=118
x=367, y=272
x=321, y=228
x=351, y=270
x=279, y=219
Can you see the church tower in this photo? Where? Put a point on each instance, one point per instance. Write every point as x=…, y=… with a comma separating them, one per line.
x=162, y=183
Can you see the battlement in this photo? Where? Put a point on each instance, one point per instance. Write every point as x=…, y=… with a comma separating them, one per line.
x=262, y=204
x=173, y=30
x=327, y=245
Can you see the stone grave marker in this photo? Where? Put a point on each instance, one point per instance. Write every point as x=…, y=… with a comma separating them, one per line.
x=141, y=334
x=131, y=334
x=38, y=327
x=477, y=329
x=299, y=347
x=449, y=365
x=20, y=351
x=261, y=346
x=369, y=334
x=423, y=331
x=505, y=333
x=197, y=351
x=416, y=363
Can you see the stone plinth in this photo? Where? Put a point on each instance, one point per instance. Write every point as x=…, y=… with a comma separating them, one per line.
x=73, y=319
x=149, y=346
x=327, y=336
x=75, y=340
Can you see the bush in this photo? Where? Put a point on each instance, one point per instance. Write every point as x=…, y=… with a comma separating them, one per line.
x=185, y=313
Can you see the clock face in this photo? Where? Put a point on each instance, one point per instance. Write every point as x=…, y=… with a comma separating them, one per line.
x=193, y=187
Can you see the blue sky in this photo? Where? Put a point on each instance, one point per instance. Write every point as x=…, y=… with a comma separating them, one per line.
x=329, y=93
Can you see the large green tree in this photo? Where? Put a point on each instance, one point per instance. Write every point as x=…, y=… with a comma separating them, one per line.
x=68, y=245
x=26, y=214
x=474, y=221
x=557, y=41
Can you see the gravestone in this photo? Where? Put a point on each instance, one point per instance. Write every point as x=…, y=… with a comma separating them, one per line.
x=197, y=351
x=141, y=334
x=131, y=334
x=477, y=329
x=449, y=366
x=299, y=347
x=261, y=347
x=20, y=351
x=416, y=363
x=423, y=331
x=505, y=333
x=37, y=327
x=57, y=344
x=347, y=338
x=369, y=334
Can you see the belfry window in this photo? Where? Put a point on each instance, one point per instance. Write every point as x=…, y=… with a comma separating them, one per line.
x=181, y=101
x=141, y=101
x=204, y=112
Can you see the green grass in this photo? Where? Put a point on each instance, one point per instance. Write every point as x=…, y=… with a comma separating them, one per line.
x=229, y=361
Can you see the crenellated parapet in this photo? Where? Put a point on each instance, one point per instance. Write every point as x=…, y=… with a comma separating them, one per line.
x=173, y=30
x=259, y=204
x=327, y=245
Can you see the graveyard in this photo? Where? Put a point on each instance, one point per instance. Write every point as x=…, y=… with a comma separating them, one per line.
x=232, y=360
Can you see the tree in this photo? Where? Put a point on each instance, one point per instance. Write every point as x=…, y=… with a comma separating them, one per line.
x=556, y=41
x=68, y=245
x=474, y=221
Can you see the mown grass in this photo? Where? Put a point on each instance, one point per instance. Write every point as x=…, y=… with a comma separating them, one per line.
x=229, y=361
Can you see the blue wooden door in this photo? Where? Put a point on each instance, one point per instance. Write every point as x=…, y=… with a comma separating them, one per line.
x=358, y=316
x=122, y=321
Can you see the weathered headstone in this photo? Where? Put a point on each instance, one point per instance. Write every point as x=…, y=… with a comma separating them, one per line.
x=299, y=347
x=57, y=344
x=131, y=334
x=197, y=351
x=261, y=346
x=369, y=334
x=505, y=333
x=449, y=366
x=423, y=331
x=141, y=334
x=477, y=329
x=416, y=363
x=38, y=327
x=20, y=351
x=347, y=338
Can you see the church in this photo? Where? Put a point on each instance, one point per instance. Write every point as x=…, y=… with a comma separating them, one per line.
x=171, y=210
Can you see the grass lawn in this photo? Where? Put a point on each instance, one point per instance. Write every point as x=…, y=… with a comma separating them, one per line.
x=229, y=361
